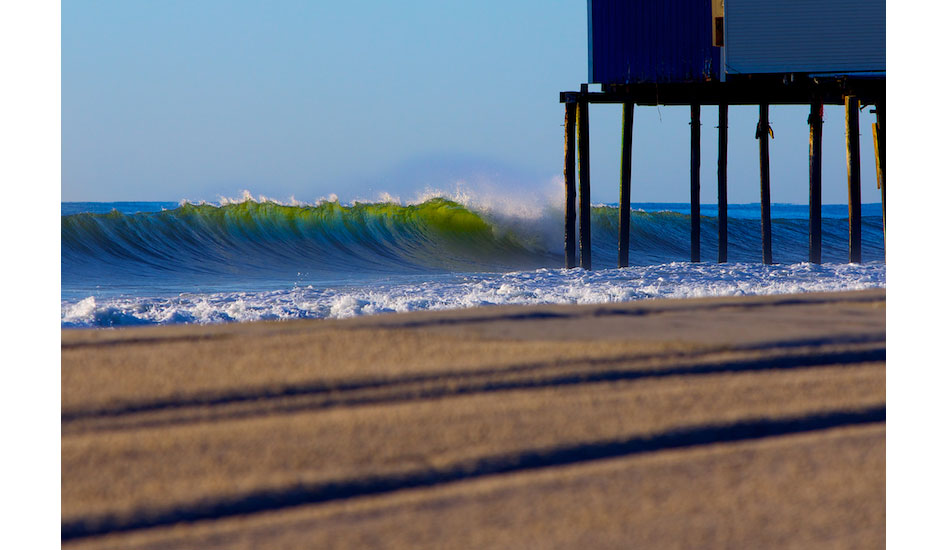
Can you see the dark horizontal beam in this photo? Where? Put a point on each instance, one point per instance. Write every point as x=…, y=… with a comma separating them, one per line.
x=739, y=92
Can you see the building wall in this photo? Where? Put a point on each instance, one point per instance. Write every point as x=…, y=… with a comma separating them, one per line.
x=812, y=36
x=636, y=41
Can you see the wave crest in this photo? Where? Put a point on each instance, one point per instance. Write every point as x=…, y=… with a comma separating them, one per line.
x=250, y=238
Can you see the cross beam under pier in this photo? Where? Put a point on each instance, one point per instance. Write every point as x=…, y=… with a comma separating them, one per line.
x=741, y=92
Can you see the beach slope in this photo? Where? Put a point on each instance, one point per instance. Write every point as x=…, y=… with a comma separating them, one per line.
x=714, y=423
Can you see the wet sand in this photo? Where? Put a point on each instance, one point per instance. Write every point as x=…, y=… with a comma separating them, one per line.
x=716, y=423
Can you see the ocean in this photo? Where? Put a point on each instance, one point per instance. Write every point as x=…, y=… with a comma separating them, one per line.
x=148, y=263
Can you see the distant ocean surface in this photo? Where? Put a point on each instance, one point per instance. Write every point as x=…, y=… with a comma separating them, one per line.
x=143, y=263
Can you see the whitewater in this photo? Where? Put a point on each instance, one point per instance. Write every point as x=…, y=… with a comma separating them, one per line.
x=258, y=259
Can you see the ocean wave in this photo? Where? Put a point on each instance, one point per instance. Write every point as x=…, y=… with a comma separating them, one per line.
x=250, y=259
x=265, y=239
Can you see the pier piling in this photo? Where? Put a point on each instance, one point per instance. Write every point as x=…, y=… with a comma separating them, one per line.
x=723, y=200
x=854, y=179
x=814, y=92
x=583, y=162
x=694, y=182
x=570, y=189
x=763, y=133
x=623, y=241
x=879, y=158
x=814, y=182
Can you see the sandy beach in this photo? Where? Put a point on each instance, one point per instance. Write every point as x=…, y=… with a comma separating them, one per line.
x=736, y=422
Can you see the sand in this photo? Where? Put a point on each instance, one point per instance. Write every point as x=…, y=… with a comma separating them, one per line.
x=719, y=423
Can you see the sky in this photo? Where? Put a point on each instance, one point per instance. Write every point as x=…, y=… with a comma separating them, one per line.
x=294, y=99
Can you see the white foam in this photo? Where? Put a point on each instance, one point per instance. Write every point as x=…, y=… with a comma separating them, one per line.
x=543, y=286
x=246, y=196
x=79, y=312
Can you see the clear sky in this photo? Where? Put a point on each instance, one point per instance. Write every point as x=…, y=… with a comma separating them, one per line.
x=200, y=99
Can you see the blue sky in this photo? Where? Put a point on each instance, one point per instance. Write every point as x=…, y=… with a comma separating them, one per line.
x=195, y=100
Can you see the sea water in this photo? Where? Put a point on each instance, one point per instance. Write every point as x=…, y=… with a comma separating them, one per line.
x=135, y=263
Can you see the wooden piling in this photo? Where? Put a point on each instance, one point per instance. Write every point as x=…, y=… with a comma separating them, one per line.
x=570, y=189
x=879, y=159
x=694, y=182
x=763, y=133
x=723, y=200
x=814, y=182
x=854, y=179
x=583, y=165
x=623, y=242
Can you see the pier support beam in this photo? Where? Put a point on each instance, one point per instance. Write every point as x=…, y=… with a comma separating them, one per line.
x=626, y=152
x=570, y=189
x=879, y=158
x=694, y=182
x=854, y=179
x=814, y=182
x=723, y=199
x=583, y=166
x=763, y=133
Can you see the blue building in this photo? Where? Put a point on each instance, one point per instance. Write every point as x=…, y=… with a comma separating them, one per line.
x=689, y=41
x=632, y=42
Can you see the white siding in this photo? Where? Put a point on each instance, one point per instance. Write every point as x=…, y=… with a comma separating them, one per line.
x=784, y=36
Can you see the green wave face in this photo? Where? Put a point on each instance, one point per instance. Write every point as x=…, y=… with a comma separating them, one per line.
x=333, y=241
x=261, y=237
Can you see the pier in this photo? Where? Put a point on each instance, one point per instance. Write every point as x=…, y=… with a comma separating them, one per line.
x=722, y=53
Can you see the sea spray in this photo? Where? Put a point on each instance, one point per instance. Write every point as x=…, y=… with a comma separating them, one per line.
x=535, y=216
